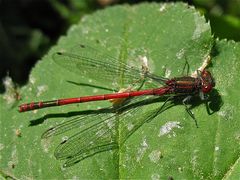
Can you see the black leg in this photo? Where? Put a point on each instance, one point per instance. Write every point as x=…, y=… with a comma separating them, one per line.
x=141, y=85
x=185, y=101
x=161, y=109
x=186, y=65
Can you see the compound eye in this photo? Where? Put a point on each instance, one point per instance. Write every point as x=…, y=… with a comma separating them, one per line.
x=206, y=88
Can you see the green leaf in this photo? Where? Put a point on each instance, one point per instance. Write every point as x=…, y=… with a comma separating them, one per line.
x=170, y=145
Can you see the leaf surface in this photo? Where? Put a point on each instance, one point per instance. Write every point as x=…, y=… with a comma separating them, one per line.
x=170, y=145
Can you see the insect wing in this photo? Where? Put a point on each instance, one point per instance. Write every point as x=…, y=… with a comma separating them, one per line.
x=91, y=63
x=99, y=132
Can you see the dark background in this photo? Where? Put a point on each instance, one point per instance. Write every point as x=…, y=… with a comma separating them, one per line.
x=28, y=28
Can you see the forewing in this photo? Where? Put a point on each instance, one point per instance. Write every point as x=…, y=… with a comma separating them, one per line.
x=101, y=132
x=97, y=65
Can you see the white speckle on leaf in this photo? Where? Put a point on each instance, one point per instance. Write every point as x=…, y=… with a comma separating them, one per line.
x=40, y=171
x=144, y=60
x=45, y=144
x=155, y=176
x=110, y=123
x=14, y=151
x=1, y=146
x=98, y=107
x=155, y=155
x=168, y=127
x=106, y=30
x=114, y=83
x=32, y=80
x=200, y=26
x=65, y=138
x=11, y=164
x=180, y=169
x=90, y=80
x=237, y=137
x=11, y=91
x=216, y=148
x=142, y=149
x=168, y=73
x=194, y=160
x=162, y=7
x=75, y=178
x=7, y=81
x=100, y=133
x=227, y=112
x=95, y=90
x=144, y=63
x=14, y=155
x=85, y=30
x=130, y=126
x=180, y=54
x=63, y=168
x=41, y=89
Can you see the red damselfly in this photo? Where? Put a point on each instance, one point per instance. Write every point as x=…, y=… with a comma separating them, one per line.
x=96, y=131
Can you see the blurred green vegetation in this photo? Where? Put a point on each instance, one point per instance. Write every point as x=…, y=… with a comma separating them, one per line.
x=28, y=28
